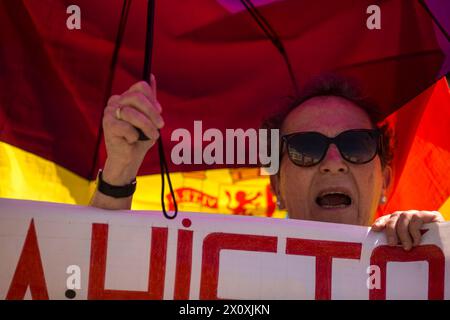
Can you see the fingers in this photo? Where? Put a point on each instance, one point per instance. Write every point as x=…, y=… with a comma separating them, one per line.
x=136, y=108
x=125, y=128
x=147, y=90
x=140, y=102
x=402, y=227
x=414, y=229
x=138, y=120
x=391, y=231
x=113, y=99
x=117, y=128
x=430, y=216
x=139, y=108
x=405, y=226
x=418, y=220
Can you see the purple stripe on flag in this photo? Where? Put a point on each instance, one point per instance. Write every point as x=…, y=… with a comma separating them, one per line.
x=441, y=11
x=236, y=6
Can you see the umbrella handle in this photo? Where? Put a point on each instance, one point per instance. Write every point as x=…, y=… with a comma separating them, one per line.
x=146, y=77
x=148, y=53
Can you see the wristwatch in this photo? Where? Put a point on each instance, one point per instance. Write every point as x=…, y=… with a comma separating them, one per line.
x=115, y=191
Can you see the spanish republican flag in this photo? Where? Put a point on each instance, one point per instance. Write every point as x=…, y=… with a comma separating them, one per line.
x=217, y=61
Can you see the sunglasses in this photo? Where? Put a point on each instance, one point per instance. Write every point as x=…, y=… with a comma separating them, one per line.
x=356, y=146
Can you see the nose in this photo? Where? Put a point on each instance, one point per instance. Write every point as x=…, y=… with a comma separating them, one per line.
x=333, y=162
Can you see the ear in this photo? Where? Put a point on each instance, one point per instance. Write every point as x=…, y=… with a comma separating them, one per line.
x=275, y=186
x=387, y=180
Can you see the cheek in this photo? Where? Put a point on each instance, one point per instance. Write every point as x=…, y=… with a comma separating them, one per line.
x=294, y=180
x=370, y=182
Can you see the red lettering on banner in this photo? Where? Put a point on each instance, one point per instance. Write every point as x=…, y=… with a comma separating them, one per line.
x=29, y=271
x=324, y=251
x=184, y=265
x=157, y=269
x=431, y=253
x=214, y=243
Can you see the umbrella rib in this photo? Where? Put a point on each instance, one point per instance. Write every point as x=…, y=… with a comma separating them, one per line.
x=263, y=24
x=118, y=44
x=273, y=37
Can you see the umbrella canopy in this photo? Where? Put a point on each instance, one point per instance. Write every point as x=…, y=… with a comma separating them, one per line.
x=215, y=61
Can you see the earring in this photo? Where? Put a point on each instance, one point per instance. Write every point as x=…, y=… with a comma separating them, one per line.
x=383, y=199
x=279, y=205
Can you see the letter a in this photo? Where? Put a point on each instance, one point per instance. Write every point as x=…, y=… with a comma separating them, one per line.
x=374, y=280
x=74, y=20
x=74, y=280
x=374, y=20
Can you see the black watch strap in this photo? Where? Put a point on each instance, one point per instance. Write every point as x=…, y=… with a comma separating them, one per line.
x=115, y=191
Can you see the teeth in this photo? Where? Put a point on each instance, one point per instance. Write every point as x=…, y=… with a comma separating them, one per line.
x=336, y=206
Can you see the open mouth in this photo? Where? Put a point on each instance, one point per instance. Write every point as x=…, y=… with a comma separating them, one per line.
x=333, y=200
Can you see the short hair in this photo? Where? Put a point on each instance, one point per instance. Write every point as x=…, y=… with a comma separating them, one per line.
x=334, y=85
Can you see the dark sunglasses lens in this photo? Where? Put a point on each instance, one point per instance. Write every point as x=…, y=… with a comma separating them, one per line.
x=358, y=146
x=306, y=149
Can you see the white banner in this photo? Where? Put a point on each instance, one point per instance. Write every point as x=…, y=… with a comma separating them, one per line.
x=55, y=251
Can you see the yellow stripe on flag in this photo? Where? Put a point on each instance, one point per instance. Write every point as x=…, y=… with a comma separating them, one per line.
x=445, y=209
x=232, y=191
x=27, y=176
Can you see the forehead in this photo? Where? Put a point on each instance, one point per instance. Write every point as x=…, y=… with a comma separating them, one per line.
x=329, y=115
